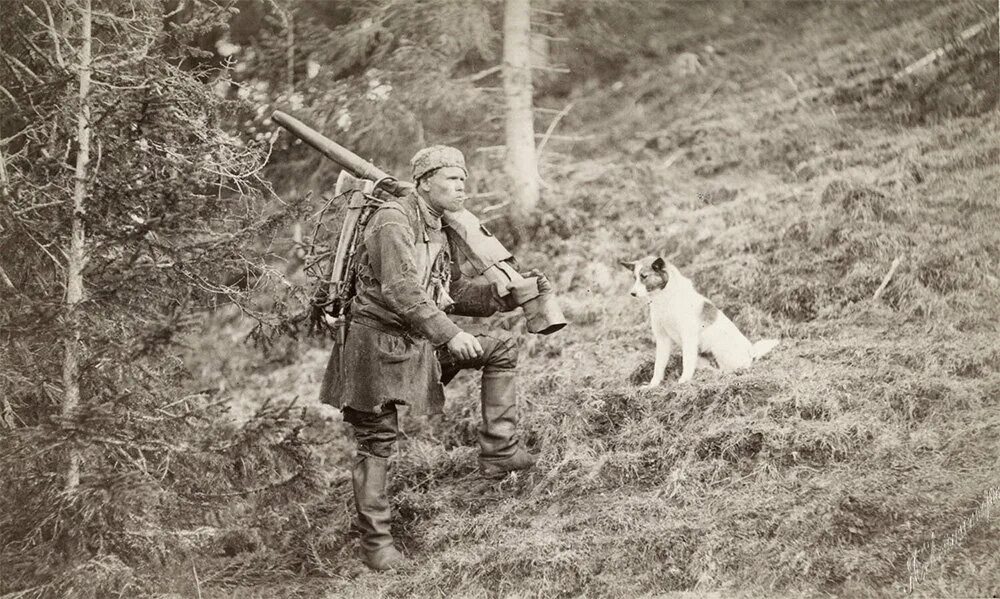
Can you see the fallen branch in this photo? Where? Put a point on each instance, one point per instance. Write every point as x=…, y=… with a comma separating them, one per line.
x=3, y=173
x=7, y=415
x=885, y=280
x=5, y=278
x=932, y=56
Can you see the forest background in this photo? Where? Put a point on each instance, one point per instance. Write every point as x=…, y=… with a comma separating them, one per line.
x=825, y=171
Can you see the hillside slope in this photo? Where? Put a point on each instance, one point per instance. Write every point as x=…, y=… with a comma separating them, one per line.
x=784, y=179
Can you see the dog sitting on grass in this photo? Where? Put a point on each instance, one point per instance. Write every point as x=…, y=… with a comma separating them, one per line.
x=679, y=314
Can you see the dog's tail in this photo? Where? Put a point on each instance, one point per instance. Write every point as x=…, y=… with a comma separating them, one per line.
x=762, y=347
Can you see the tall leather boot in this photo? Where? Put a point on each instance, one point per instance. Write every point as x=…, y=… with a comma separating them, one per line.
x=500, y=450
x=374, y=518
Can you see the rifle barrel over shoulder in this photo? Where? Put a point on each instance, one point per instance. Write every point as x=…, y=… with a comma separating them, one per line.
x=347, y=159
x=479, y=246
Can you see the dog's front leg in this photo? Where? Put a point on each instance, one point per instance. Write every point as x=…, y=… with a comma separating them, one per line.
x=689, y=355
x=663, y=349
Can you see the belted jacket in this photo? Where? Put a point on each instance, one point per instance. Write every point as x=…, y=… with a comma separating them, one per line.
x=407, y=285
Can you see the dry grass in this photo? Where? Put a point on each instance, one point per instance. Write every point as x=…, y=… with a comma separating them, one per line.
x=871, y=429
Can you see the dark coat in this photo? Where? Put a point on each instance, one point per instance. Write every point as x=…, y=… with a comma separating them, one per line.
x=406, y=283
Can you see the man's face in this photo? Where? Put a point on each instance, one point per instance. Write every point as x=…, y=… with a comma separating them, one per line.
x=445, y=189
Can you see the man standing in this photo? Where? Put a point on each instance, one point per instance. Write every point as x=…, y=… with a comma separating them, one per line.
x=401, y=347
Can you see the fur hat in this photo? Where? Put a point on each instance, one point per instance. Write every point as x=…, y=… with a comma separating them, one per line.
x=435, y=157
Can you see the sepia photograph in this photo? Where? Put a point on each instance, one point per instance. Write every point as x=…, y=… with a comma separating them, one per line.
x=490, y=299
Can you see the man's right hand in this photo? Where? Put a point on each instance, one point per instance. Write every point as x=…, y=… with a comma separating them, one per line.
x=465, y=346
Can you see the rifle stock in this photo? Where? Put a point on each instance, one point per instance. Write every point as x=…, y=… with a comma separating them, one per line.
x=477, y=244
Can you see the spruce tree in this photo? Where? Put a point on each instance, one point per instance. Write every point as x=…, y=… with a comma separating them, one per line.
x=129, y=207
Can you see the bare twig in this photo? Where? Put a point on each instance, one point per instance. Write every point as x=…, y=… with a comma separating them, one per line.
x=482, y=74
x=45, y=249
x=568, y=137
x=495, y=207
x=37, y=50
x=23, y=67
x=885, y=280
x=56, y=45
x=197, y=584
x=552, y=127
x=144, y=85
x=180, y=7
x=932, y=56
x=12, y=99
x=132, y=55
x=551, y=69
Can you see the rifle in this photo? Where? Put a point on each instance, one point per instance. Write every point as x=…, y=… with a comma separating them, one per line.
x=478, y=246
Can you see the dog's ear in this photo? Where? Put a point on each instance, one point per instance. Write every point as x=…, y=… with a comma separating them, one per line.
x=630, y=266
x=659, y=265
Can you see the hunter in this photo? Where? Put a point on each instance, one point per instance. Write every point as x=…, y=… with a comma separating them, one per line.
x=401, y=347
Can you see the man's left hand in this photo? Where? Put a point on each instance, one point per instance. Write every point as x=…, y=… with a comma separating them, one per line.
x=544, y=286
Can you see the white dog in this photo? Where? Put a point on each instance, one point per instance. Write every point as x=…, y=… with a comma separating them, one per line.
x=679, y=314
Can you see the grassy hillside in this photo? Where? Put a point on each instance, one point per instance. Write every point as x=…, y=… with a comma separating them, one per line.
x=784, y=179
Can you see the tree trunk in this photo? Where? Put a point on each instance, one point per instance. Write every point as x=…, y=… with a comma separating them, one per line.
x=521, y=165
x=290, y=50
x=77, y=252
